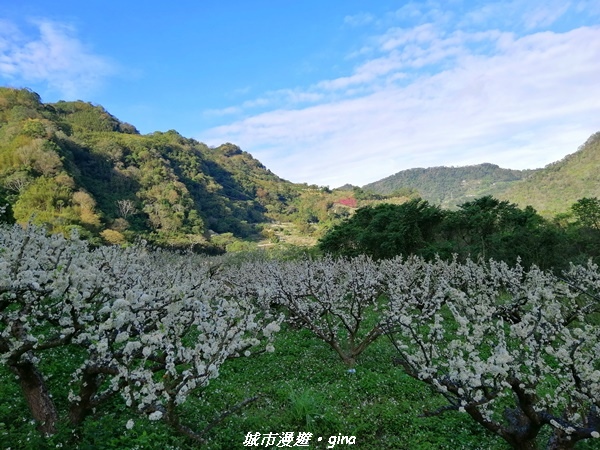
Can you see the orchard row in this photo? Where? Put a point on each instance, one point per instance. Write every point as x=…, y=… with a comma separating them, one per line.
x=514, y=348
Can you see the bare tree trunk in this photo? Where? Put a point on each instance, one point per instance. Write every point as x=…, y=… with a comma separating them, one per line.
x=92, y=378
x=36, y=394
x=522, y=437
x=80, y=409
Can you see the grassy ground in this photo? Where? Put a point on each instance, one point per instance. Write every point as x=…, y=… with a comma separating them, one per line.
x=307, y=389
x=303, y=387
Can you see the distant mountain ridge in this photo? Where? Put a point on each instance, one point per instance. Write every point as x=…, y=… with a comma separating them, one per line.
x=74, y=166
x=550, y=190
x=451, y=186
x=554, y=188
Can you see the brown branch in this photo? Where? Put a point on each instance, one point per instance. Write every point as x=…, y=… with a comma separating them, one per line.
x=228, y=412
x=173, y=420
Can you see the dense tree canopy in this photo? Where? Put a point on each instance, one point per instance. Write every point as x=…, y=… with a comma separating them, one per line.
x=386, y=230
x=482, y=228
x=587, y=211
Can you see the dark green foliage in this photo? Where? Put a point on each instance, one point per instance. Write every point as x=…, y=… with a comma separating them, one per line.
x=387, y=230
x=490, y=228
x=482, y=228
x=6, y=212
x=501, y=230
x=587, y=212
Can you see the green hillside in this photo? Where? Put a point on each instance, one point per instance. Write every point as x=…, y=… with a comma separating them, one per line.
x=73, y=165
x=556, y=187
x=451, y=186
x=550, y=190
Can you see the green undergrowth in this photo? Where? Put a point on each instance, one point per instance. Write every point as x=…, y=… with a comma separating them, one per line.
x=301, y=387
x=304, y=387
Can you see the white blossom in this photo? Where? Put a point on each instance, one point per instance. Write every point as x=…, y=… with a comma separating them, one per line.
x=123, y=307
x=513, y=332
x=156, y=415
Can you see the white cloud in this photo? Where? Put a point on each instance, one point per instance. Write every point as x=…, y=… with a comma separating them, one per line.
x=436, y=96
x=365, y=73
x=223, y=111
x=359, y=19
x=273, y=99
x=545, y=15
x=515, y=14
x=54, y=56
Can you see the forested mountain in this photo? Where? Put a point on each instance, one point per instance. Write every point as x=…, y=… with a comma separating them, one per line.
x=74, y=165
x=550, y=190
x=451, y=186
x=556, y=187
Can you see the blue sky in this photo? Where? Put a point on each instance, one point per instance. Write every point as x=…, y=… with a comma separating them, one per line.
x=326, y=92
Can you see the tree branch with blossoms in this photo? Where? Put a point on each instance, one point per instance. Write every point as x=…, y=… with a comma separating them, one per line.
x=155, y=327
x=456, y=336
x=333, y=298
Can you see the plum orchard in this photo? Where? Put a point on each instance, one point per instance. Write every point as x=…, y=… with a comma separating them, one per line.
x=153, y=326
x=516, y=350
x=333, y=298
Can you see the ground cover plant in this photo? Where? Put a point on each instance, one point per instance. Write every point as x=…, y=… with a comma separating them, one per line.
x=136, y=348
x=303, y=387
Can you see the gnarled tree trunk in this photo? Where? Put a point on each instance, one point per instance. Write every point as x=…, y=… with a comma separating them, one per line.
x=37, y=396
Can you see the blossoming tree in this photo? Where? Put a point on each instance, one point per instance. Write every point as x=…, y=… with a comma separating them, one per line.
x=336, y=299
x=153, y=326
x=516, y=350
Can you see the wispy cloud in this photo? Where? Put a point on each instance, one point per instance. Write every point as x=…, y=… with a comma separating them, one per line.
x=359, y=19
x=437, y=94
x=545, y=15
x=272, y=99
x=54, y=56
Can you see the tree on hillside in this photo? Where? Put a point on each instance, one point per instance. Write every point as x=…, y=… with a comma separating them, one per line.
x=386, y=230
x=179, y=187
x=489, y=228
x=587, y=211
x=6, y=213
x=477, y=223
